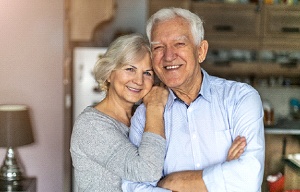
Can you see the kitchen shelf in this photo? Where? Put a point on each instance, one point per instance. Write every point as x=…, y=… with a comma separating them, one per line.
x=284, y=127
x=252, y=68
x=279, y=131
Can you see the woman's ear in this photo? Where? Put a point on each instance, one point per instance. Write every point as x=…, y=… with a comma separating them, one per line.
x=202, y=51
x=108, y=80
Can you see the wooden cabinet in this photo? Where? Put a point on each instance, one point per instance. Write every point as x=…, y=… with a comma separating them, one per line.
x=281, y=29
x=85, y=15
x=230, y=25
x=247, y=26
x=158, y=4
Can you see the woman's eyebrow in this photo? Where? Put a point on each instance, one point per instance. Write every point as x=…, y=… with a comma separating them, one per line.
x=150, y=69
x=128, y=65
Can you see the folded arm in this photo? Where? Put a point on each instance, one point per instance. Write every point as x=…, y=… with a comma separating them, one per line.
x=190, y=181
x=185, y=180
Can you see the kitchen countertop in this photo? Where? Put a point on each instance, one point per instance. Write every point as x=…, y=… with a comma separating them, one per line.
x=293, y=164
x=284, y=126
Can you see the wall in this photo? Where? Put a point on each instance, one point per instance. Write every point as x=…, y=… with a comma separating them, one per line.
x=130, y=16
x=31, y=57
x=279, y=97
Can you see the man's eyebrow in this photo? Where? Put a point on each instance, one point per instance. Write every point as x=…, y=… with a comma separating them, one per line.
x=154, y=43
x=183, y=37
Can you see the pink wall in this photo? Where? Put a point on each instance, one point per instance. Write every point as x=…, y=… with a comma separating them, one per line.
x=31, y=60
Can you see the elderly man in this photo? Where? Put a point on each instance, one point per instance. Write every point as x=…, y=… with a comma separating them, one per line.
x=203, y=115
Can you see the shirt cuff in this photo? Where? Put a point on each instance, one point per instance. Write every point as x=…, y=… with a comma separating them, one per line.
x=213, y=178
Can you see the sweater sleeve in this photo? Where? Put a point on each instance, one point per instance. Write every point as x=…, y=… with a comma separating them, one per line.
x=103, y=141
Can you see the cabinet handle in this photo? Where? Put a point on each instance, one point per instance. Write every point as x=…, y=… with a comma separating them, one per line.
x=290, y=30
x=223, y=28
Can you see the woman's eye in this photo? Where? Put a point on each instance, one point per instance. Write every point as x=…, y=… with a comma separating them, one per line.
x=130, y=69
x=148, y=73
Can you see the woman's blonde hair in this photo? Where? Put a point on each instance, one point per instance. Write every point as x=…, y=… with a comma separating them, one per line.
x=124, y=50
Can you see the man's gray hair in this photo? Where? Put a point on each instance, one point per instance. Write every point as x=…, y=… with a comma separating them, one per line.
x=196, y=24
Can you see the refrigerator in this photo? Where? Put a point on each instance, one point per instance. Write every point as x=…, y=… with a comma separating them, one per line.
x=85, y=87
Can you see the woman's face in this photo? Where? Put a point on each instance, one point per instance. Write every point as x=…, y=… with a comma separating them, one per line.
x=132, y=82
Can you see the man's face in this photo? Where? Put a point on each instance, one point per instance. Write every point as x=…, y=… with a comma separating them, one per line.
x=175, y=55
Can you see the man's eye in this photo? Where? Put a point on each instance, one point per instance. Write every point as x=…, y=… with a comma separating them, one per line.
x=180, y=44
x=157, y=47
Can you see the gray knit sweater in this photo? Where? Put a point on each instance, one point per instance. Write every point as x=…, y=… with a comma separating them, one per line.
x=102, y=155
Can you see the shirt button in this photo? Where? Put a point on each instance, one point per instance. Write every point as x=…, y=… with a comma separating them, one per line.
x=198, y=165
x=194, y=136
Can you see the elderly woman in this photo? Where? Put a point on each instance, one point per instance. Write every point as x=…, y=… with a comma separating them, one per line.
x=101, y=152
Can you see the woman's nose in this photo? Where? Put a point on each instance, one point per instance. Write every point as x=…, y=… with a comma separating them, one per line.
x=138, y=79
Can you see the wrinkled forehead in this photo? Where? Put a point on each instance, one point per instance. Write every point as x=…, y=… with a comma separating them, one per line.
x=175, y=38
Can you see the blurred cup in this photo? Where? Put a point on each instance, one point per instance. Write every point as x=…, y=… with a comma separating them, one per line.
x=268, y=113
x=276, y=183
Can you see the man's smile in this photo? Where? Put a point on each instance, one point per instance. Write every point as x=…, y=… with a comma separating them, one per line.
x=172, y=67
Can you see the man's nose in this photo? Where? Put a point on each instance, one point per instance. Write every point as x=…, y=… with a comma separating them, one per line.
x=169, y=54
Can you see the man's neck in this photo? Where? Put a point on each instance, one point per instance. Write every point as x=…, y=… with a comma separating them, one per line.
x=189, y=92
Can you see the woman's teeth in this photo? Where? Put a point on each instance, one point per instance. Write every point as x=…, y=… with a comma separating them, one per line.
x=133, y=89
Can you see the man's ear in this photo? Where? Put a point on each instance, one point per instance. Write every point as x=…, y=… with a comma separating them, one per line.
x=202, y=51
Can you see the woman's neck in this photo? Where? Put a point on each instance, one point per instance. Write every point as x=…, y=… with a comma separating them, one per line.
x=115, y=110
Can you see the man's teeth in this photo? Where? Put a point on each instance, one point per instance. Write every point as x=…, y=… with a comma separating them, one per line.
x=172, y=67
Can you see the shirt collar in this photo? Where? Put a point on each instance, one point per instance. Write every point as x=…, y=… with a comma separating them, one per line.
x=204, y=91
x=171, y=99
x=206, y=86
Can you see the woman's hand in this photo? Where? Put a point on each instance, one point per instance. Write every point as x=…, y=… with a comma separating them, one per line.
x=157, y=96
x=155, y=102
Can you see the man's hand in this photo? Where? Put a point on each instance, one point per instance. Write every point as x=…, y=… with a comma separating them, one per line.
x=190, y=181
x=184, y=181
x=237, y=148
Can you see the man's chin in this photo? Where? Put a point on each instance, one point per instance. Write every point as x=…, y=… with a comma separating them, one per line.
x=173, y=84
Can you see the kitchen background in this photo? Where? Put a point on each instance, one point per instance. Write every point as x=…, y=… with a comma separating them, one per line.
x=36, y=69
x=276, y=87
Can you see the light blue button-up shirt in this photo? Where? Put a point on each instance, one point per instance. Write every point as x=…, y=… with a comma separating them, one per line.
x=199, y=136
